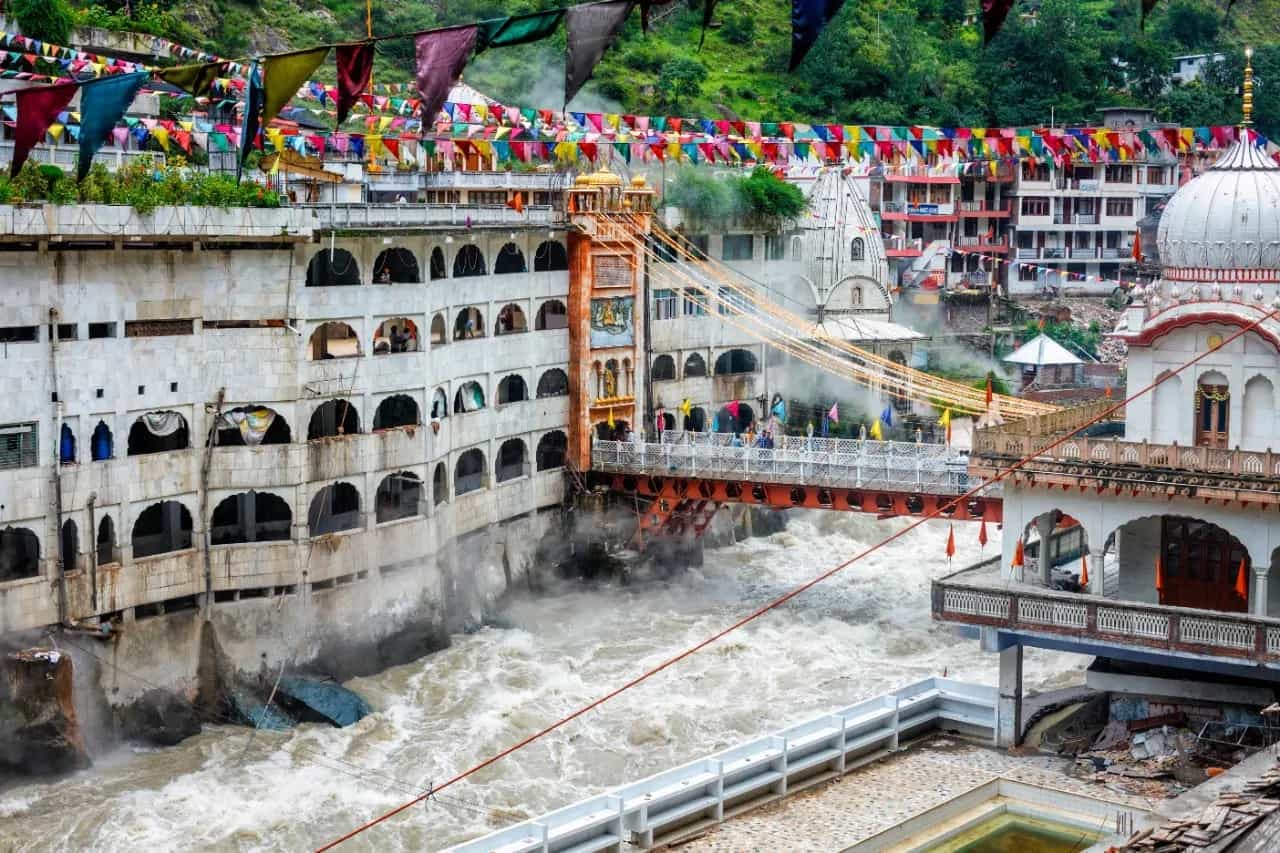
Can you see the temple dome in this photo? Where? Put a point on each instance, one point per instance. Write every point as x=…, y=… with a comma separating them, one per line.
x=1227, y=218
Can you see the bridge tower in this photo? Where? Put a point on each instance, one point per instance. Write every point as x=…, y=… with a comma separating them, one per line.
x=607, y=311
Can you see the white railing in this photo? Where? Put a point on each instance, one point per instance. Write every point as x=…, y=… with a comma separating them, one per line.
x=422, y=215
x=774, y=765
x=1133, y=623
x=977, y=603
x=1041, y=612
x=1215, y=632
x=830, y=462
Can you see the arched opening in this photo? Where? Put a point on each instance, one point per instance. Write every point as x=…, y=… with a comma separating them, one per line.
x=1213, y=405
x=857, y=249
x=332, y=268
x=398, y=410
x=1259, y=413
x=1168, y=410
x=399, y=334
x=664, y=368
x=399, y=496
x=696, y=420
x=102, y=444
x=1182, y=562
x=334, y=508
x=439, y=334
x=618, y=432
x=333, y=340
x=1054, y=545
x=251, y=426
x=440, y=484
x=553, y=383
x=512, y=460
x=469, y=324
x=439, y=405
x=468, y=262
x=510, y=260
x=70, y=546
x=898, y=396
x=550, y=256
x=610, y=380
x=552, y=448
x=695, y=365
x=158, y=432
x=665, y=421
x=727, y=421
x=551, y=315
x=468, y=473
x=735, y=361
x=438, y=268
x=333, y=418
x=511, y=320
x=470, y=398
x=855, y=295
x=67, y=446
x=161, y=528
x=250, y=517
x=108, y=553
x=19, y=554
x=396, y=266
x=512, y=389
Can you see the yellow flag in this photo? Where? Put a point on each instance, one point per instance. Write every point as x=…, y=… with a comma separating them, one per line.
x=686, y=407
x=945, y=420
x=612, y=424
x=876, y=432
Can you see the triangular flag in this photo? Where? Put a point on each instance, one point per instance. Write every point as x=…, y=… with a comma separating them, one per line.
x=1018, y=559
x=993, y=14
x=1160, y=576
x=834, y=413
x=195, y=80
x=1084, y=571
x=876, y=432
x=982, y=533
x=590, y=28
x=1242, y=581
x=518, y=29
x=808, y=17
x=686, y=407
x=102, y=103
x=951, y=542
x=38, y=107
x=283, y=74
x=355, y=67
x=441, y=56
x=252, y=117
x=516, y=202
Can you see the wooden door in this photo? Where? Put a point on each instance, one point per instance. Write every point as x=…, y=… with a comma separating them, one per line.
x=1213, y=403
x=1200, y=564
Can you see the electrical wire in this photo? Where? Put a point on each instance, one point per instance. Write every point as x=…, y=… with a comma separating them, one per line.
x=942, y=508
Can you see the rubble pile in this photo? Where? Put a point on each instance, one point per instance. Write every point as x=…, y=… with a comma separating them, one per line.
x=1231, y=814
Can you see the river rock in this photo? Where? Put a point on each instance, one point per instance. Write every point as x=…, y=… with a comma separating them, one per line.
x=39, y=732
x=159, y=718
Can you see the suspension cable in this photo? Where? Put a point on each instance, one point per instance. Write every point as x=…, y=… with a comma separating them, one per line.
x=941, y=509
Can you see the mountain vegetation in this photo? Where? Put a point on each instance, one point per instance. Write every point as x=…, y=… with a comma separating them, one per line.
x=879, y=62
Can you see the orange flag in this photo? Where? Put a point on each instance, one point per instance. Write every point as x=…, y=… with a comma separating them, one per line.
x=988, y=390
x=951, y=543
x=1137, y=246
x=1159, y=575
x=1018, y=561
x=1242, y=582
x=516, y=203
x=982, y=534
x=1084, y=571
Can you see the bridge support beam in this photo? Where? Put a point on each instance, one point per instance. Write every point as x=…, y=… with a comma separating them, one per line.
x=1009, y=704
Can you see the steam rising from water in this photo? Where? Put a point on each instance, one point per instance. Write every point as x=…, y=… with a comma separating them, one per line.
x=862, y=632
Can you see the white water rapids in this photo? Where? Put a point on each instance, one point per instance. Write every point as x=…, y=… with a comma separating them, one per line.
x=865, y=631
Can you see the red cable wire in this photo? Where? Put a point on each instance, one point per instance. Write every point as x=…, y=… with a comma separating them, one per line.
x=783, y=599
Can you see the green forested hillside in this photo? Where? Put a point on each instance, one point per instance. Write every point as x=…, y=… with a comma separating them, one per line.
x=880, y=61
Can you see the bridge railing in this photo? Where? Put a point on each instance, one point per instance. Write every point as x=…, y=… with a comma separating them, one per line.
x=832, y=463
x=773, y=765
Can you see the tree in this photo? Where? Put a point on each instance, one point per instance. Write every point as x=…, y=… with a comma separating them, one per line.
x=44, y=20
x=679, y=79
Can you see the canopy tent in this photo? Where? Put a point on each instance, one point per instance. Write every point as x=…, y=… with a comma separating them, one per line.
x=1041, y=351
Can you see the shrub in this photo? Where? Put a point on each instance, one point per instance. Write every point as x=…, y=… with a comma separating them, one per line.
x=738, y=28
x=45, y=20
x=768, y=196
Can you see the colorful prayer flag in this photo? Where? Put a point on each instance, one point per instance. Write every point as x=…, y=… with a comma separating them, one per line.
x=589, y=30
x=876, y=432
x=1084, y=571
x=195, y=80
x=38, y=107
x=808, y=17
x=951, y=542
x=355, y=68
x=686, y=407
x=252, y=118
x=1242, y=581
x=102, y=103
x=1018, y=559
x=516, y=202
x=993, y=14
x=517, y=29
x=441, y=56
x=834, y=414
x=982, y=533
x=283, y=74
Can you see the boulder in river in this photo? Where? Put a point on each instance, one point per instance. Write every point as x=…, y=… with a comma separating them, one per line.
x=39, y=732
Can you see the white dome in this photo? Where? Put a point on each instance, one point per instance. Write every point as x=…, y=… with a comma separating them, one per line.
x=837, y=217
x=1228, y=218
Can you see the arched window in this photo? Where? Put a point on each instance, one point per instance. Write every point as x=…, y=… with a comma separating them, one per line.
x=664, y=368
x=397, y=335
x=439, y=405
x=512, y=389
x=510, y=260
x=468, y=474
x=725, y=421
x=19, y=554
x=399, y=496
x=333, y=340
x=696, y=420
x=735, y=361
x=250, y=517
x=108, y=553
x=161, y=528
x=332, y=268
x=551, y=450
x=333, y=418
x=102, y=444
x=470, y=398
x=440, y=484
x=550, y=256
x=469, y=324
x=70, y=545
x=668, y=421
x=398, y=410
x=512, y=460
x=551, y=315
x=553, y=383
x=857, y=249
x=333, y=509
x=396, y=265
x=468, y=262
x=855, y=295
x=438, y=269
x=67, y=445
x=511, y=320
x=252, y=425
x=157, y=432
x=695, y=365
x=797, y=248
x=439, y=336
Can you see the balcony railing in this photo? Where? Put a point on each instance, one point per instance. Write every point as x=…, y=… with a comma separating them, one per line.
x=1262, y=464
x=344, y=216
x=494, y=180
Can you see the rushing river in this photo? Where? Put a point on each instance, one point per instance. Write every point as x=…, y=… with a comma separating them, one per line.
x=862, y=632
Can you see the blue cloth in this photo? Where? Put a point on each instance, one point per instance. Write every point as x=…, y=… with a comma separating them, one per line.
x=887, y=416
x=254, y=100
x=808, y=17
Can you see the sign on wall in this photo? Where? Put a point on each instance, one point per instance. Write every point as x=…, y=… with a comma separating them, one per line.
x=613, y=271
x=612, y=322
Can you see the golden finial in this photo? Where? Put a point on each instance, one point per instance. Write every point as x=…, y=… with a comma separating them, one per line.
x=1248, y=87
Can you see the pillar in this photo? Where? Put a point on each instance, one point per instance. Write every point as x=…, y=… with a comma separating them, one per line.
x=1044, y=526
x=1097, y=579
x=1009, y=703
x=1258, y=594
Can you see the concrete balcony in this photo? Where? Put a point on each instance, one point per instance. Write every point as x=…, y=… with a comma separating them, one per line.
x=981, y=209
x=1094, y=624
x=108, y=223
x=411, y=217
x=461, y=180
